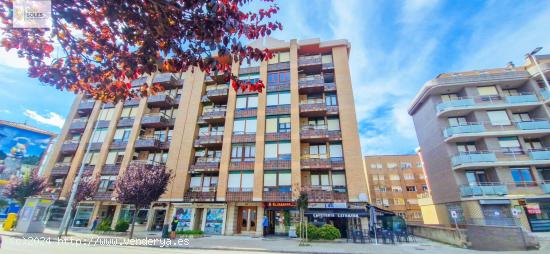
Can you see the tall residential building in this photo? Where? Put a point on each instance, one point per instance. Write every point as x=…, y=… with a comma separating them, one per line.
x=484, y=138
x=394, y=183
x=236, y=156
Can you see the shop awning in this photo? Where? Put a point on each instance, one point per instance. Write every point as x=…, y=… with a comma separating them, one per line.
x=336, y=213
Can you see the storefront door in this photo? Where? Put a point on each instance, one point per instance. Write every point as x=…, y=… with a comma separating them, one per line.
x=247, y=219
x=158, y=220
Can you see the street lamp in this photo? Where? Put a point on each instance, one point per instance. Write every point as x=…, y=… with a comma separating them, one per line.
x=532, y=56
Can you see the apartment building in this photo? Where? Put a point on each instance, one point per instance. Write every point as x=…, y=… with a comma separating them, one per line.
x=484, y=138
x=394, y=183
x=236, y=156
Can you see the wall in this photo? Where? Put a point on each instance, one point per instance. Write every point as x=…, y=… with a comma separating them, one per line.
x=499, y=238
x=440, y=234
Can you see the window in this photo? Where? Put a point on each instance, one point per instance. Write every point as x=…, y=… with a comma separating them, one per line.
x=382, y=189
x=338, y=179
x=408, y=176
x=466, y=147
x=99, y=135
x=379, y=202
x=331, y=100
x=326, y=59
x=487, y=90
x=449, y=97
x=320, y=179
x=106, y=114
x=457, y=121
x=280, y=57
x=392, y=165
x=412, y=201
x=250, y=63
x=386, y=202
x=244, y=126
x=405, y=165
x=477, y=177
x=277, y=124
x=90, y=159
x=278, y=98
x=198, y=181
x=522, y=177
x=510, y=145
x=157, y=157
x=106, y=183
x=333, y=124
x=277, y=150
x=66, y=159
x=243, y=152
x=411, y=188
x=336, y=150
x=396, y=189
x=399, y=201
x=419, y=164
x=318, y=151
x=247, y=101
x=129, y=112
x=277, y=179
x=521, y=117
x=115, y=157
x=122, y=134
x=424, y=187
x=394, y=177
x=379, y=165
x=510, y=92
x=498, y=117
x=169, y=112
x=252, y=77
x=533, y=144
x=381, y=177
x=278, y=77
x=240, y=181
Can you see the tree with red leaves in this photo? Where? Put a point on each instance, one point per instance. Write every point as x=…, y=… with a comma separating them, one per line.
x=21, y=187
x=141, y=184
x=87, y=187
x=103, y=45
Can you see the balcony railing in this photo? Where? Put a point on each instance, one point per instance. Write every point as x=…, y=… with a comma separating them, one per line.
x=126, y=122
x=482, y=127
x=110, y=169
x=165, y=79
x=277, y=110
x=103, y=195
x=214, y=115
x=506, y=156
x=467, y=102
x=200, y=193
x=492, y=76
x=309, y=60
x=277, y=194
x=160, y=100
x=315, y=161
x=277, y=163
x=78, y=125
x=61, y=168
x=205, y=164
x=326, y=194
x=239, y=194
x=314, y=132
x=545, y=187
x=473, y=157
x=484, y=189
x=243, y=137
x=545, y=94
x=69, y=146
x=311, y=84
x=147, y=142
x=212, y=139
x=86, y=106
x=539, y=154
x=313, y=107
x=217, y=94
x=154, y=120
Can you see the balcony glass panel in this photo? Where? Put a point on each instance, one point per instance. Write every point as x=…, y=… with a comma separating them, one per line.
x=539, y=154
x=545, y=187
x=534, y=125
x=524, y=98
x=488, y=189
x=470, y=128
x=466, y=158
x=455, y=104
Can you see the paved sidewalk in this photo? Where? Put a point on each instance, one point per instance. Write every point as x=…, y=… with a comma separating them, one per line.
x=277, y=245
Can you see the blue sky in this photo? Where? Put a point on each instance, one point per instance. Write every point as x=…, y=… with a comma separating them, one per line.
x=396, y=47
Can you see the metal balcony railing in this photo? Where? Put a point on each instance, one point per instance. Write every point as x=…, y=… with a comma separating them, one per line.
x=239, y=194
x=465, y=102
x=309, y=60
x=326, y=193
x=501, y=156
x=481, y=127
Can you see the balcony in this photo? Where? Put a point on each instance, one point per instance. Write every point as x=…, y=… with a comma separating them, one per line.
x=242, y=165
x=61, y=168
x=238, y=194
x=545, y=187
x=311, y=84
x=205, y=164
x=484, y=189
x=246, y=112
x=103, y=196
x=524, y=101
x=147, y=143
x=330, y=87
x=241, y=137
x=542, y=154
x=78, y=125
x=209, y=140
x=139, y=82
x=160, y=100
x=309, y=60
x=110, y=169
x=95, y=146
x=213, y=115
x=126, y=122
x=277, y=87
x=314, y=133
x=332, y=110
x=313, y=108
x=167, y=79
x=119, y=144
x=200, y=194
x=277, y=194
x=277, y=110
x=545, y=94
x=217, y=95
x=277, y=136
x=313, y=161
x=86, y=106
x=502, y=158
x=154, y=120
x=278, y=66
x=102, y=124
x=483, y=76
x=472, y=130
x=461, y=129
x=132, y=102
x=283, y=163
x=322, y=194
x=473, y=157
x=534, y=125
x=69, y=146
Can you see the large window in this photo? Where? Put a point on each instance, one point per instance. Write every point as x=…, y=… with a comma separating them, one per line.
x=277, y=124
x=510, y=145
x=212, y=130
x=522, y=176
x=203, y=181
x=278, y=179
x=158, y=157
x=244, y=126
x=278, y=77
x=122, y=134
x=339, y=179
x=333, y=124
x=449, y=97
x=252, y=77
x=240, y=181
x=487, y=90
x=498, y=117
x=106, y=114
x=278, y=98
x=277, y=150
x=320, y=179
x=243, y=152
x=457, y=121
x=90, y=159
x=336, y=150
x=247, y=101
x=318, y=151
x=99, y=135
x=129, y=112
x=106, y=183
x=467, y=147
x=331, y=99
x=521, y=117
x=280, y=57
x=115, y=157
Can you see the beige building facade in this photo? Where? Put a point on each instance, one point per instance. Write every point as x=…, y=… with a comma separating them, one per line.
x=484, y=138
x=238, y=158
x=394, y=183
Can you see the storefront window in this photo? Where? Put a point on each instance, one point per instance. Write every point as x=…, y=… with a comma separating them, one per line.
x=214, y=221
x=83, y=214
x=184, y=218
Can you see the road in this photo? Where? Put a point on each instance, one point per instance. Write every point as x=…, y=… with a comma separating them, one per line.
x=13, y=245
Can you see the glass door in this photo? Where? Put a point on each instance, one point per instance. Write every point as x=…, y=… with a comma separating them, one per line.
x=247, y=219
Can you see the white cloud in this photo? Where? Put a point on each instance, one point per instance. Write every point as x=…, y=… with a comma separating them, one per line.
x=10, y=59
x=415, y=11
x=51, y=118
x=5, y=111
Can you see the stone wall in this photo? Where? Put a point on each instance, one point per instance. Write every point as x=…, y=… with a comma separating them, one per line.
x=500, y=238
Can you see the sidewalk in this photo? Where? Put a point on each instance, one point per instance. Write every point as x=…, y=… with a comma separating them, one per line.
x=277, y=245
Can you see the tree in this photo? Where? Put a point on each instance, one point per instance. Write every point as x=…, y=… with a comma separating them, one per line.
x=85, y=191
x=302, y=203
x=141, y=184
x=21, y=187
x=103, y=45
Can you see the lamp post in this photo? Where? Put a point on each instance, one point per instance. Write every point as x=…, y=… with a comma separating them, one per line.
x=532, y=56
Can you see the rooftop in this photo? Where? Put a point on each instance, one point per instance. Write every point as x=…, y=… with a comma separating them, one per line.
x=26, y=127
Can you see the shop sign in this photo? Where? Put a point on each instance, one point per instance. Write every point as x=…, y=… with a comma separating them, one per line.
x=335, y=215
x=533, y=209
x=328, y=205
x=280, y=204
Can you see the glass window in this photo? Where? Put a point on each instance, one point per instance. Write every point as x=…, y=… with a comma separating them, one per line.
x=466, y=147
x=241, y=180
x=331, y=99
x=487, y=90
x=320, y=179
x=270, y=179
x=90, y=159
x=275, y=124
x=252, y=77
x=278, y=98
x=274, y=150
x=498, y=117
x=248, y=179
x=449, y=97
x=247, y=101
x=521, y=117
x=326, y=59
x=457, y=121
x=115, y=157
x=122, y=134
x=509, y=144
x=522, y=176
x=196, y=181
x=336, y=151
x=333, y=124
x=277, y=178
x=244, y=126
x=510, y=92
x=106, y=114
x=338, y=179
x=280, y=57
x=106, y=183
x=318, y=151
x=278, y=77
x=243, y=152
x=234, y=180
x=99, y=135
x=129, y=112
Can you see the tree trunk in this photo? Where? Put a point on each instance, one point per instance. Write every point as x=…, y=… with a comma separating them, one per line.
x=133, y=222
